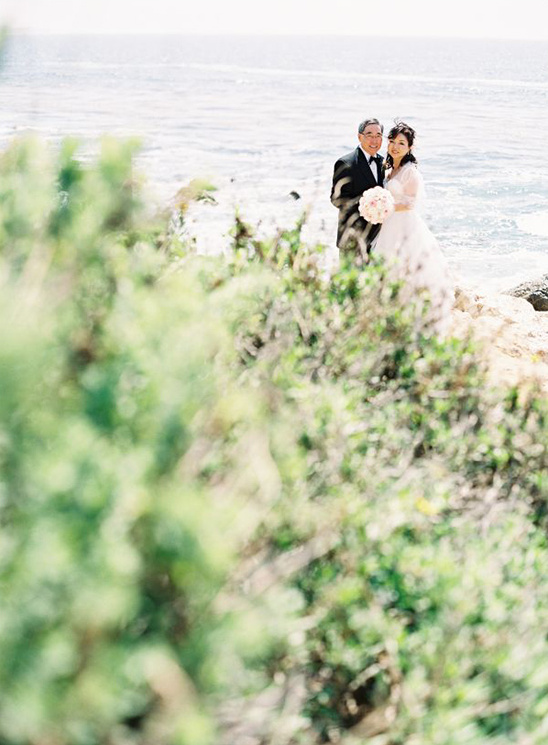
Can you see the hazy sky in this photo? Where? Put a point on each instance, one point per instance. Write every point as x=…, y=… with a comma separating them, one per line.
x=474, y=18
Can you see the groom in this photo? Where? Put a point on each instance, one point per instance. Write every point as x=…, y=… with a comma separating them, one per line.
x=354, y=173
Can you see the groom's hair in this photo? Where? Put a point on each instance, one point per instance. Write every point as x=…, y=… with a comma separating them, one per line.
x=366, y=123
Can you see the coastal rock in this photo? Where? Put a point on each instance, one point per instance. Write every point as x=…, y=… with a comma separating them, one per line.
x=465, y=299
x=535, y=292
x=503, y=306
x=512, y=338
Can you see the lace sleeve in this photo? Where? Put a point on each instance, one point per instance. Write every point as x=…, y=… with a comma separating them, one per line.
x=412, y=186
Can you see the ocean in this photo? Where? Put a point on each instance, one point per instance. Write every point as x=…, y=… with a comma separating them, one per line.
x=261, y=117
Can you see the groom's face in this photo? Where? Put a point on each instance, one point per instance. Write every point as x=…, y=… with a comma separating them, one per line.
x=371, y=139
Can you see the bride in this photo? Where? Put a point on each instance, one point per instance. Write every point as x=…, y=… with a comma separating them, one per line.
x=411, y=253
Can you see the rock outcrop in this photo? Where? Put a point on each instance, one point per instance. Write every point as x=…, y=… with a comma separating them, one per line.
x=512, y=337
x=535, y=292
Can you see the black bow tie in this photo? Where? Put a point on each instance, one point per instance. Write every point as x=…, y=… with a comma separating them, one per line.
x=372, y=159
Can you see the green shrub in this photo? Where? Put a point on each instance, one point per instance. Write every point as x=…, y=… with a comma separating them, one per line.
x=244, y=501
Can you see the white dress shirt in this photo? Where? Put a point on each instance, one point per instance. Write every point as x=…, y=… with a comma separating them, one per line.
x=374, y=166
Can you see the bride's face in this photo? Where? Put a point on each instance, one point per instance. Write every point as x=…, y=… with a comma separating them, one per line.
x=398, y=147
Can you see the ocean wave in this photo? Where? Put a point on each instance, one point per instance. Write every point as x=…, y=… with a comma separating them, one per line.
x=535, y=223
x=344, y=74
x=281, y=71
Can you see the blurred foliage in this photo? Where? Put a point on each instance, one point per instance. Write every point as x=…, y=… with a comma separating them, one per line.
x=243, y=501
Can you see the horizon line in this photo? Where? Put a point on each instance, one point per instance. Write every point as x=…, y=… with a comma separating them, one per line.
x=275, y=34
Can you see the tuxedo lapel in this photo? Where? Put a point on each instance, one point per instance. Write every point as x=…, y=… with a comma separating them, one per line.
x=365, y=174
x=381, y=170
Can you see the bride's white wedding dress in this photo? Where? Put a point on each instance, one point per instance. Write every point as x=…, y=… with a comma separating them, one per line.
x=412, y=254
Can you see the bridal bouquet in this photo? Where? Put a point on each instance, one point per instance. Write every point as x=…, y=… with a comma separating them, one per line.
x=376, y=204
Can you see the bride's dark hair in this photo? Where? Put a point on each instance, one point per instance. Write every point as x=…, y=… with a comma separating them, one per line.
x=401, y=128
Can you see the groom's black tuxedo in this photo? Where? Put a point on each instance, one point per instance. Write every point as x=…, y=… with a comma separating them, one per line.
x=351, y=177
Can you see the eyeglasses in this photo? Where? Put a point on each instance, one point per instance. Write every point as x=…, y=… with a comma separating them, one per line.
x=373, y=137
